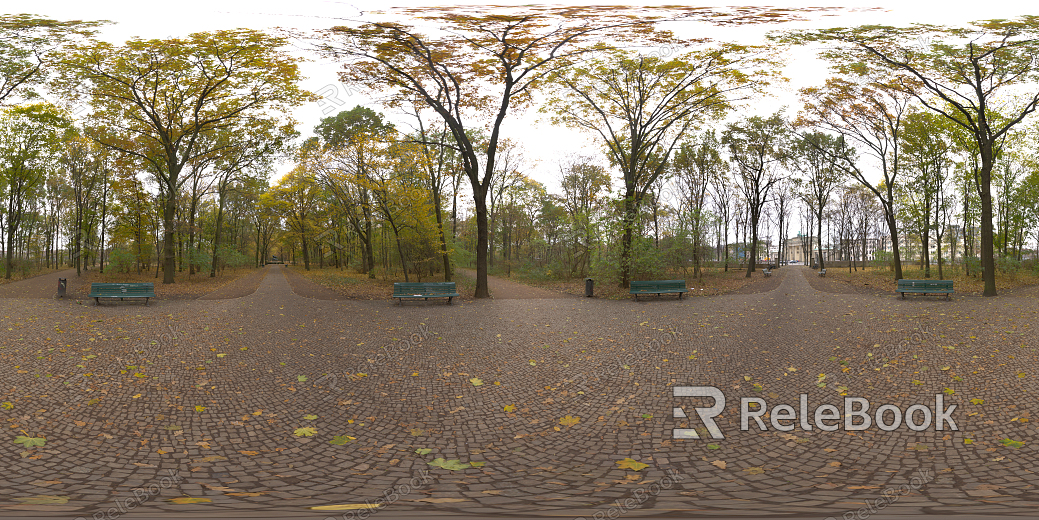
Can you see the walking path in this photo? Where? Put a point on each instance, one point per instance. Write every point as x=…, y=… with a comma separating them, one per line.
x=273, y=403
x=43, y=286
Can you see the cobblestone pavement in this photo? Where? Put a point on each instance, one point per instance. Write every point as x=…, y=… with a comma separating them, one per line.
x=277, y=403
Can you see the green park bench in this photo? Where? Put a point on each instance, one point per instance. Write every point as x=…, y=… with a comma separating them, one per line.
x=925, y=287
x=658, y=287
x=122, y=290
x=426, y=290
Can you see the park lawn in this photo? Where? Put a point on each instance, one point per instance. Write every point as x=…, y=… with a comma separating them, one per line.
x=715, y=281
x=883, y=279
x=358, y=286
x=19, y=275
x=184, y=288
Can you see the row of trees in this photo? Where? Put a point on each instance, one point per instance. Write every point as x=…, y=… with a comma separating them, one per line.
x=930, y=111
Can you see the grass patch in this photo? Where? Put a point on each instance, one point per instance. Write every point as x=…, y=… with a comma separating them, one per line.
x=184, y=287
x=883, y=279
x=358, y=286
x=18, y=275
x=715, y=281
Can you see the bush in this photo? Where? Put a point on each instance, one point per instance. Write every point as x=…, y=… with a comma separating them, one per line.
x=973, y=264
x=1009, y=265
x=200, y=260
x=121, y=260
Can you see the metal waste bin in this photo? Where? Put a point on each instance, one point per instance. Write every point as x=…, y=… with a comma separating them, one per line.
x=589, y=285
x=62, y=285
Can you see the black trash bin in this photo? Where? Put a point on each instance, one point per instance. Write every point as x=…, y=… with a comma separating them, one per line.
x=62, y=286
x=589, y=285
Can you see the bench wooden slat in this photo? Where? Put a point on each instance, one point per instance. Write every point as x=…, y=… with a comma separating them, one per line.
x=637, y=287
x=424, y=290
x=924, y=287
x=99, y=290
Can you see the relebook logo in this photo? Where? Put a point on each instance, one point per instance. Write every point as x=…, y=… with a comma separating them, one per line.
x=855, y=415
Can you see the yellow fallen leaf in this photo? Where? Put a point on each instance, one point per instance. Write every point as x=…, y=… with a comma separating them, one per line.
x=632, y=464
x=720, y=464
x=344, y=507
x=189, y=500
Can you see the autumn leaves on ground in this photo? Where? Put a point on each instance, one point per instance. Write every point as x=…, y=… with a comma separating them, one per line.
x=545, y=406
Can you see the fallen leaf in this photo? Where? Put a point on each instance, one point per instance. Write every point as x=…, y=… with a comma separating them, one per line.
x=344, y=507
x=189, y=500
x=30, y=442
x=476, y=381
x=305, y=432
x=340, y=440
x=632, y=464
x=754, y=471
x=453, y=464
x=424, y=451
x=1012, y=443
x=43, y=500
x=720, y=464
x=569, y=420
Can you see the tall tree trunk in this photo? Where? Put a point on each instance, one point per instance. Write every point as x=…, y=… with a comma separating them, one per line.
x=988, y=261
x=819, y=236
x=626, y=241
x=169, y=253
x=443, y=239
x=480, y=201
x=216, y=236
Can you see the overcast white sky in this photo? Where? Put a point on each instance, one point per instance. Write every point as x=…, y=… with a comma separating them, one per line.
x=544, y=144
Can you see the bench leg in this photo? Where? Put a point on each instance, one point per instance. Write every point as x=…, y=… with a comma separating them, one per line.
x=449, y=299
x=96, y=302
x=146, y=302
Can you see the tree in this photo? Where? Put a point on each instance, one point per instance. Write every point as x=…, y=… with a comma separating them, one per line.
x=158, y=100
x=252, y=148
x=816, y=155
x=28, y=44
x=513, y=51
x=696, y=165
x=641, y=106
x=29, y=148
x=79, y=160
x=983, y=80
x=584, y=185
x=351, y=139
x=296, y=197
x=869, y=112
x=757, y=148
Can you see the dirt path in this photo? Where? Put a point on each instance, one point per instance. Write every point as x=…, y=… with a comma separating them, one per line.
x=42, y=286
x=502, y=289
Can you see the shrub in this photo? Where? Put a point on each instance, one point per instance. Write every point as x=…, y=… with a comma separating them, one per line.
x=121, y=260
